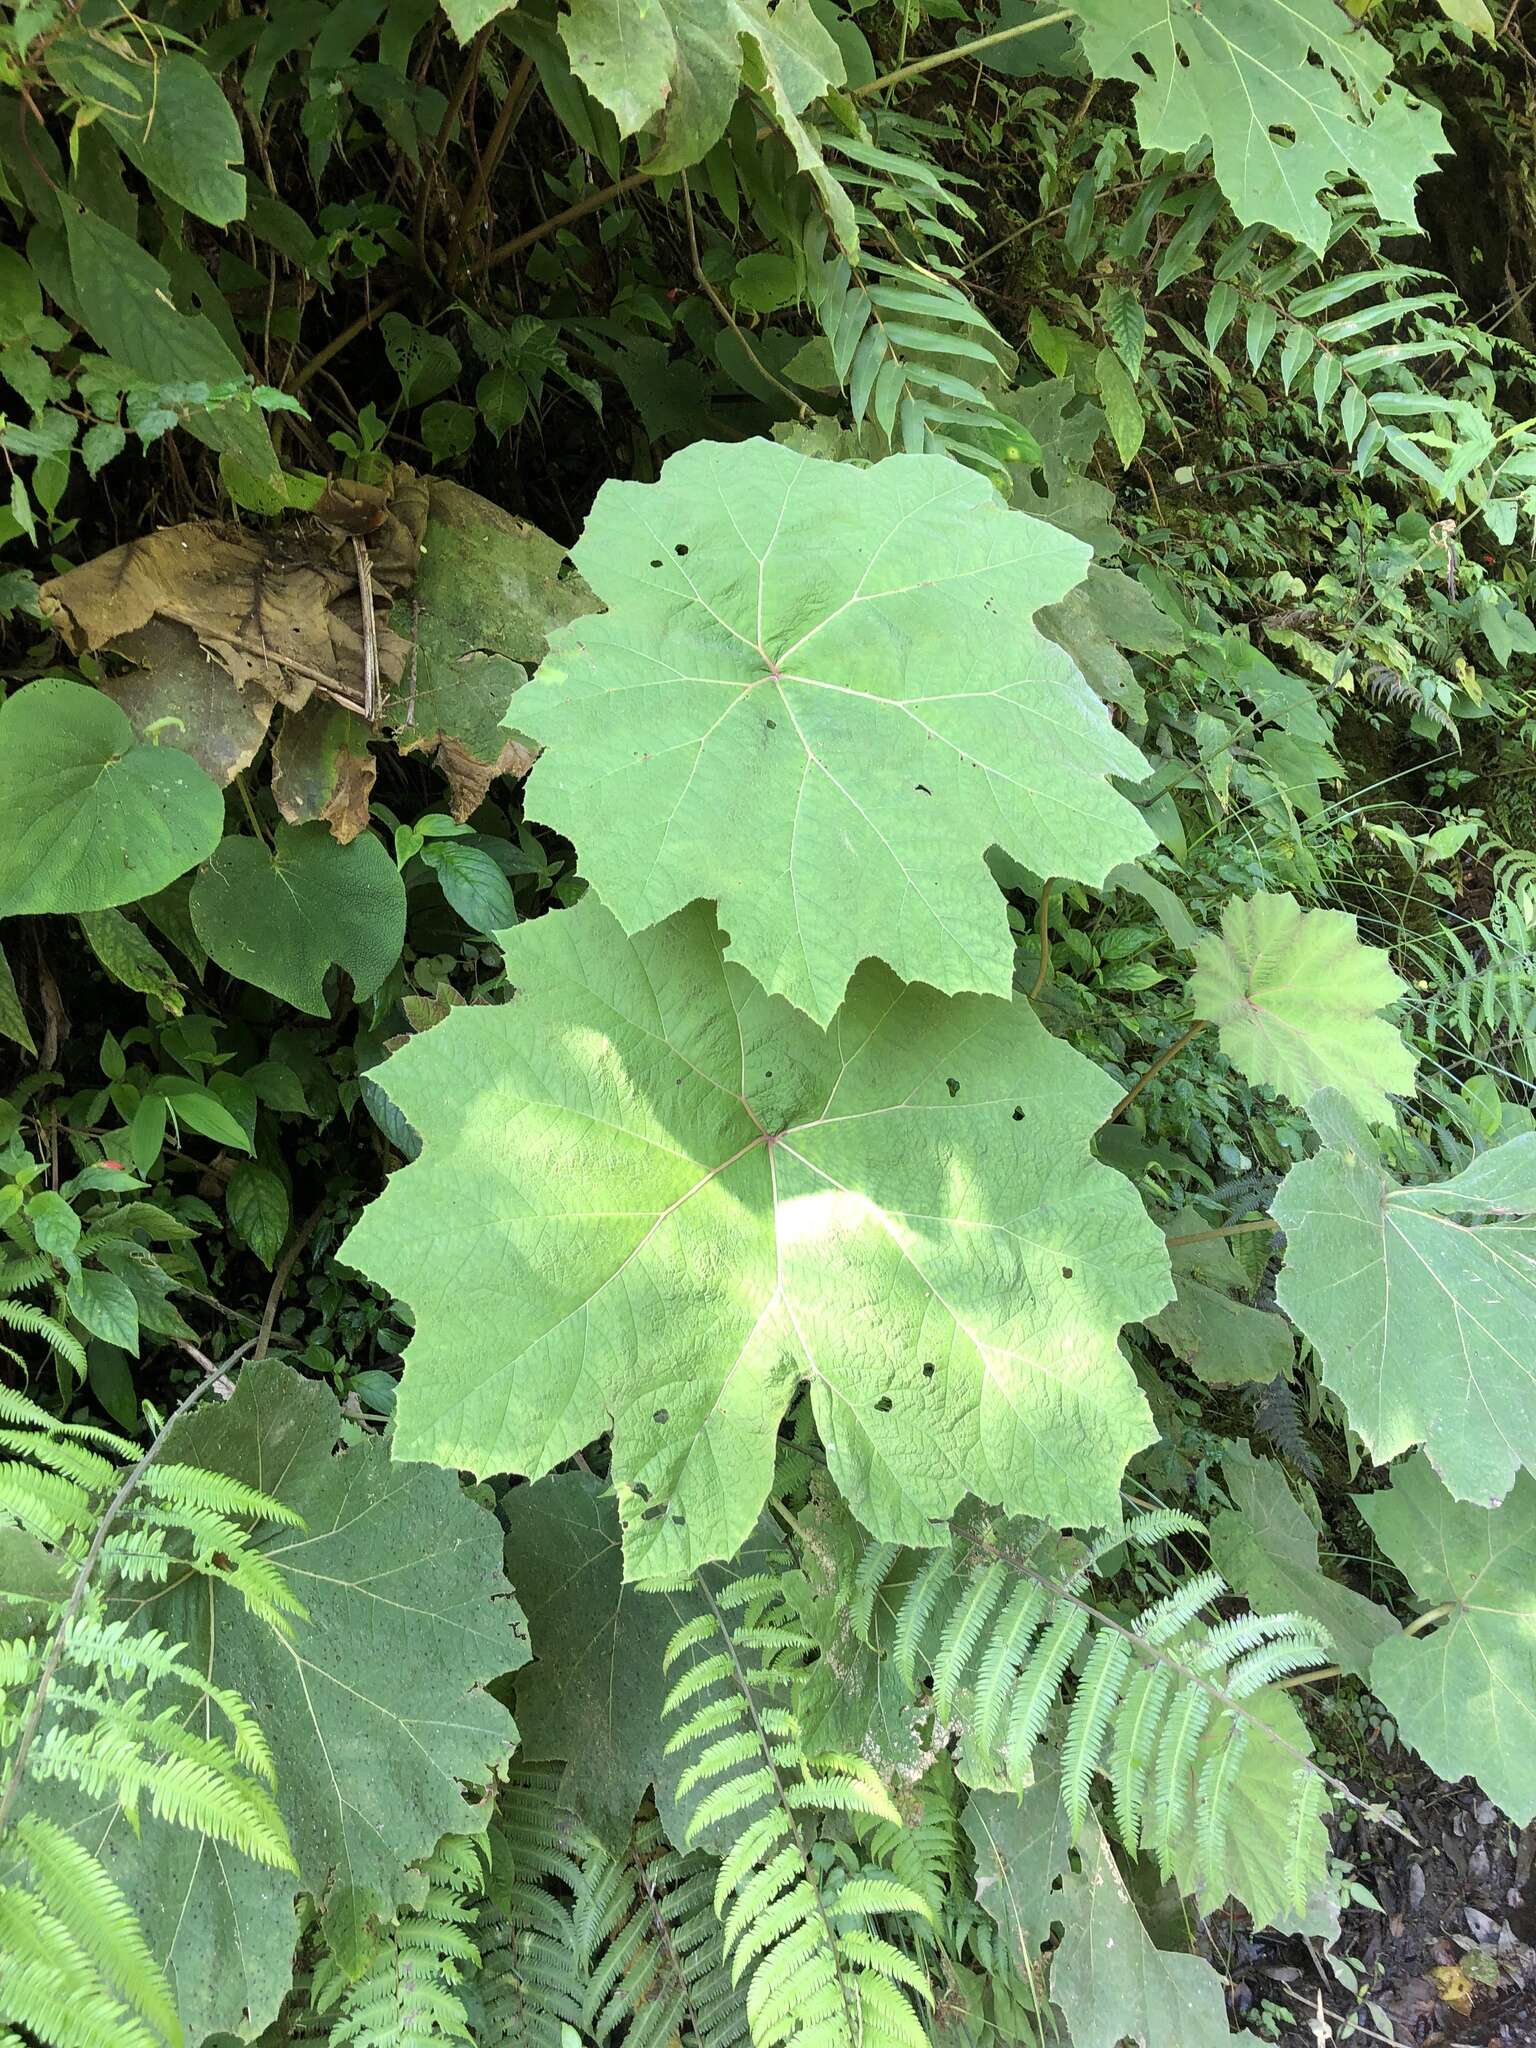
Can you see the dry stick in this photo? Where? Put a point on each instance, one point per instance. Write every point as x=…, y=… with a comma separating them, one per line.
x=802, y=410
x=568, y=215
x=1156, y=1067
x=284, y=1267
x=370, y=631
x=517, y=96
x=119, y=1500
x=1043, y=926
x=445, y=127
x=1225, y=1230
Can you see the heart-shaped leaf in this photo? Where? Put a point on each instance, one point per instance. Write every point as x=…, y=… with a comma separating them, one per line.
x=90, y=817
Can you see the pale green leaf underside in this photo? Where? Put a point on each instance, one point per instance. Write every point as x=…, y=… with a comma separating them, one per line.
x=1420, y=1303
x=1111, y=1982
x=654, y=1199
x=1289, y=93
x=374, y=1710
x=825, y=740
x=1295, y=997
x=1465, y=1693
x=90, y=817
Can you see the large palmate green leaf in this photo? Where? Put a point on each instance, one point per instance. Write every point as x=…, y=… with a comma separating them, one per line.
x=283, y=919
x=593, y=1699
x=1266, y=1547
x=1465, y=1693
x=1420, y=1303
x=1212, y=1324
x=90, y=817
x=1295, y=998
x=766, y=720
x=1020, y=1842
x=374, y=1708
x=652, y=1197
x=1111, y=1982
x=1290, y=94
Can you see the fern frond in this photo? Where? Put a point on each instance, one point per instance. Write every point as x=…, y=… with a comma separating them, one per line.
x=1158, y=1706
x=35, y=1322
x=409, y=1996
x=812, y=1957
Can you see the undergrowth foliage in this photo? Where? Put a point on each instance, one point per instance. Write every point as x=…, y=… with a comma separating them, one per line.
x=766, y=837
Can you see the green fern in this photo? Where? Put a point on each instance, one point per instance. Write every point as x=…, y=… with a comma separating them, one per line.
x=530, y=1984
x=823, y=1972
x=1159, y=1706
x=86, y=1702
x=409, y=1996
x=909, y=346
x=651, y=1949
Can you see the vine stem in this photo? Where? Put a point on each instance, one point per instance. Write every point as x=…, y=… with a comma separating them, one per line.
x=1226, y=1230
x=1043, y=928
x=1410, y=1628
x=1157, y=1066
x=119, y=1500
x=595, y=201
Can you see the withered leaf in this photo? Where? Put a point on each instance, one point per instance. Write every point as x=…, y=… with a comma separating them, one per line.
x=218, y=722
x=322, y=769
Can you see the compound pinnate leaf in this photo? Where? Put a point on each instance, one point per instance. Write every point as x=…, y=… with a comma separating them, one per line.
x=1290, y=96
x=654, y=1198
x=1295, y=997
x=1464, y=1693
x=89, y=816
x=1111, y=1982
x=1420, y=1303
x=374, y=1707
x=282, y=919
x=759, y=716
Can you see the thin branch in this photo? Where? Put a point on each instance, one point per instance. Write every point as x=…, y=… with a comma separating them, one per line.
x=72, y=1606
x=1226, y=1230
x=802, y=410
x=1156, y=1067
x=1043, y=928
x=516, y=99
x=284, y=1267
x=959, y=50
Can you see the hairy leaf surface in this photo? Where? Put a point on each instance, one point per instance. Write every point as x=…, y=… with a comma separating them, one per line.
x=1465, y=1693
x=651, y=1197
x=1420, y=1304
x=1295, y=998
x=767, y=720
x=374, y=1708
x=1289, y=92
x=1109, y=1979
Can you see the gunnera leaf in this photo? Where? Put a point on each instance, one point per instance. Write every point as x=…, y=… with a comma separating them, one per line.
x=90, y=816
x=1295, y=997
x=653, y=1198
x=1290, y=97
x=1111, y=1982
x=374, y=1708
x=1420, y=1303
x=1465, y=1692
x=759, y=704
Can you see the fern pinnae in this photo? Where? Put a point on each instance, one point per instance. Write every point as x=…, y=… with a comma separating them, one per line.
x=1039, y=1683
x=917, y=1610
x=963, y=1631
x=1213, y=1805
x=1183, y=1726
x=1098, y=1694
x=1007, y=1648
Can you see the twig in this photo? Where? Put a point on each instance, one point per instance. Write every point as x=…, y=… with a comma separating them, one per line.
x=1156, y=1067
x=517, y=96
x=960, y=50
x=55, y=1656
x=802, y=410
x=370, y=630
x=284, y=1267
x=1043, y=927
x=461, y=85
x=1226, y=1230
